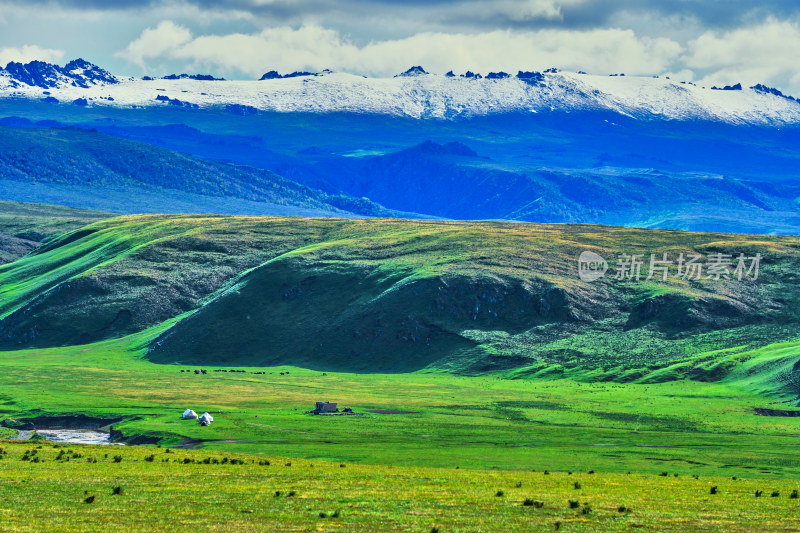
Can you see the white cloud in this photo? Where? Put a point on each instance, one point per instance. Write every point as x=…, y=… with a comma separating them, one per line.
x=314, y=47
x=27, y=53
x=763, y=53
x=162, y=41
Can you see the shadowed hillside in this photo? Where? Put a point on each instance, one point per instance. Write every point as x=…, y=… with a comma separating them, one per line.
x=85, y=168
x=385, y=295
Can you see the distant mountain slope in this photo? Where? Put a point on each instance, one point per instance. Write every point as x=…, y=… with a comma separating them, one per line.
x=580, y=167
x=570, y=161
x=24, y=227
x=85, y=168
x=415, y=94
x=399, y=295
x=452, y=181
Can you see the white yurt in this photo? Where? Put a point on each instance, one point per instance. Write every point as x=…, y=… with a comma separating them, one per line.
x=205, y=419
x=189, y=415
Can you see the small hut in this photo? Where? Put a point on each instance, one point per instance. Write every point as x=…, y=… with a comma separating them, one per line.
x=189, y=415
x=325, y=407
x=205, y=419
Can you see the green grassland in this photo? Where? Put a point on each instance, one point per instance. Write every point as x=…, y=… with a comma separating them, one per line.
x=656, y=449
x=502, y=363
x=451, y=421
x=191, y=491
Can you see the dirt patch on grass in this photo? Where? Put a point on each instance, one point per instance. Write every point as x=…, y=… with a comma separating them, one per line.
x=60, y=421
x=392, y=412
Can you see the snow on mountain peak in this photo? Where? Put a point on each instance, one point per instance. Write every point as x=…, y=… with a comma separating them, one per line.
x=76, y=73
x=414, y=93
x=274, y=75
x=413, y=71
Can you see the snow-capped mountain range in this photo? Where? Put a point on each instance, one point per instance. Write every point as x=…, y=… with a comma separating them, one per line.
x=414, y=93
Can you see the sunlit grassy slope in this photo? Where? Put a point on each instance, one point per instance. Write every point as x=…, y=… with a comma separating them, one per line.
x=395, y=295
x=24, y=226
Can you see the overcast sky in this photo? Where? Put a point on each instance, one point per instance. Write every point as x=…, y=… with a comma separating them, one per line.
x=713, y=41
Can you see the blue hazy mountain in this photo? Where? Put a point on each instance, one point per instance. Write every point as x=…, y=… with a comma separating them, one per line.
x=728, y=165
x=86, y=168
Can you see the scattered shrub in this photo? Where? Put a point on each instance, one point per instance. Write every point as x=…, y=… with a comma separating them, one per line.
x=574, y=504
x=533, y=503
x=116, y=491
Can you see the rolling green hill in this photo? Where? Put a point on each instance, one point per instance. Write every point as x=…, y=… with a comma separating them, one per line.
x=24, y=226
x=384, y=295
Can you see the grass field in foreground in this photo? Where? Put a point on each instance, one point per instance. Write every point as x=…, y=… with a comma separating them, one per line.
x=177, y=491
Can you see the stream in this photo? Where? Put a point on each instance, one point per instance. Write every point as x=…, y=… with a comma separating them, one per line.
x=77, y=436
